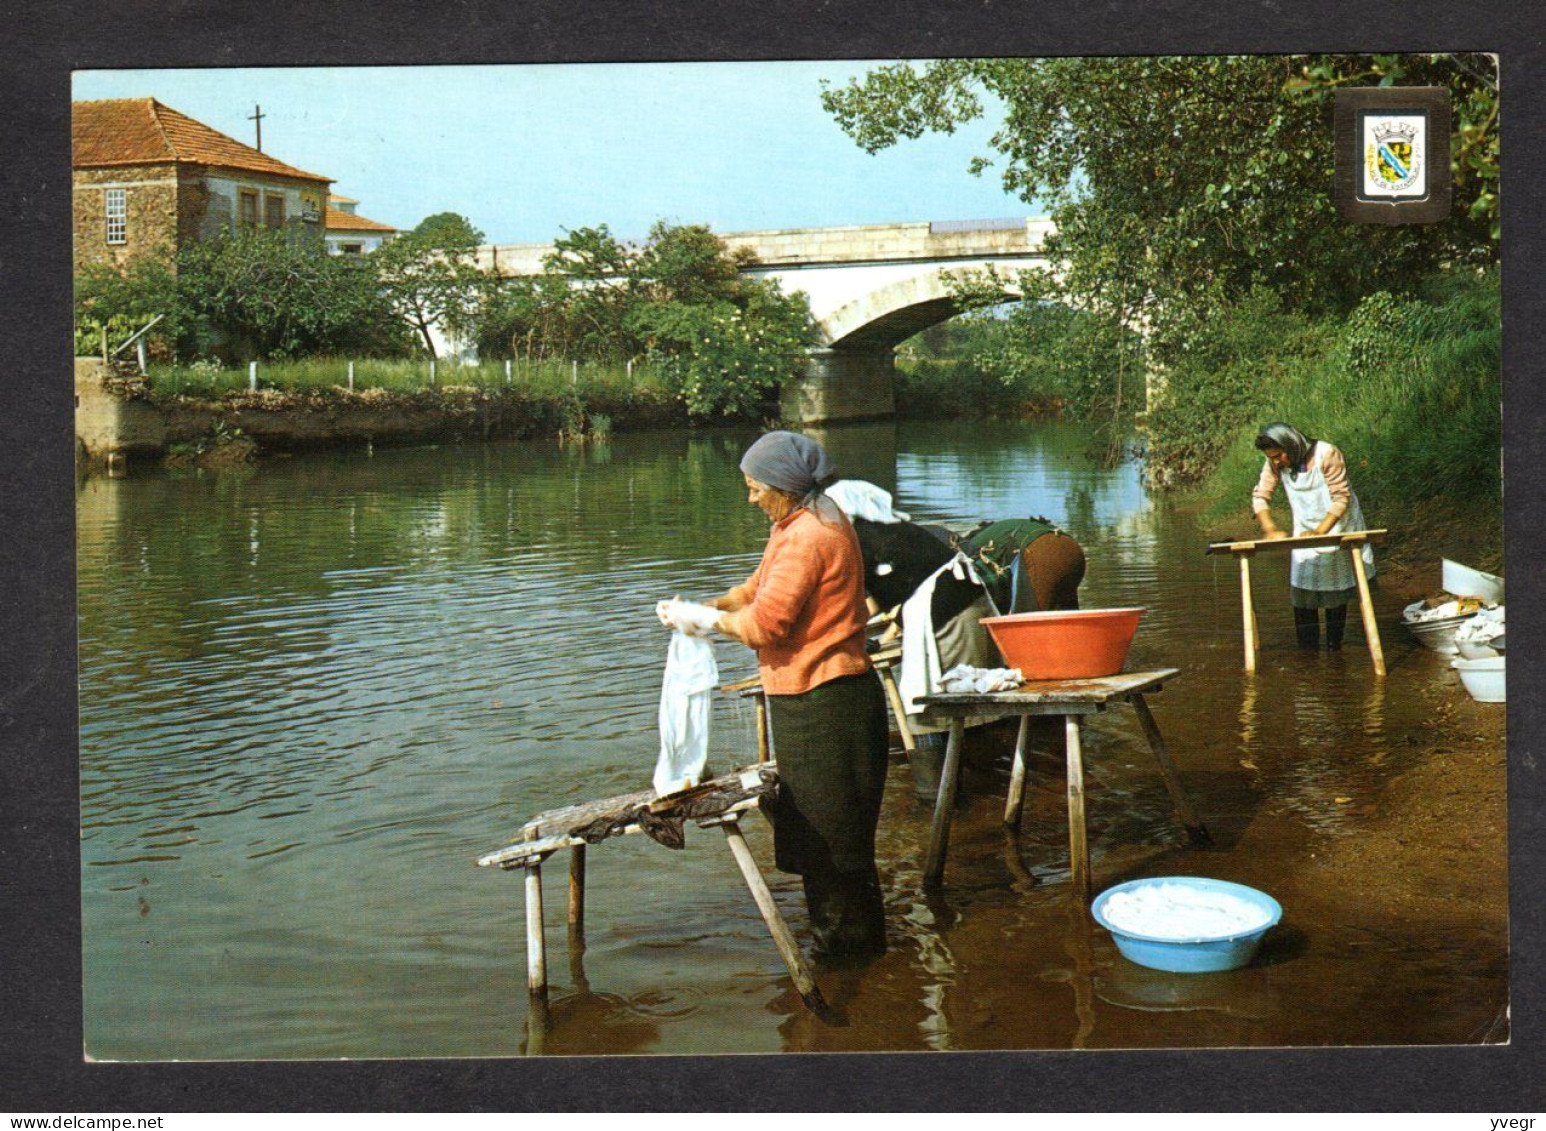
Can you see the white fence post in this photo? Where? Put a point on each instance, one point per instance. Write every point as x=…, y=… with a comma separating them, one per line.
x=630, y=369
x=252, y=376
x=431, y=373
x=507, y=372
x=574, y=372
x=351, y=376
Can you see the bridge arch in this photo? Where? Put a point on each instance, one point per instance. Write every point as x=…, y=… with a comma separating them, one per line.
x=884, y=318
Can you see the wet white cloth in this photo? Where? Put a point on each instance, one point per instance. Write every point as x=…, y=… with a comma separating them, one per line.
x=860, y=499
x=1322, y=568
x=921, y=667
x=687, y=616
x=983, y=681
x=685, y=709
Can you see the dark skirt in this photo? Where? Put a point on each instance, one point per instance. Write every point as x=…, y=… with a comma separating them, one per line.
x=830, y=744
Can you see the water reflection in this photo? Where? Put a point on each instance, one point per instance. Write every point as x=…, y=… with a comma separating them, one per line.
x=313, y=692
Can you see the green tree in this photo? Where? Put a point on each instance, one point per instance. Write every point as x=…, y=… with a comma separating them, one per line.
x=725, y=343
x=430, y=278
x=125, y=299
x=281, y=297
x=1180, y=184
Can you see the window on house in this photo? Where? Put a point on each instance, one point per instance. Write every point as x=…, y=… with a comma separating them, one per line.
x=273, y=211
x=352, y=248
x=117, y=215
x=247, y=210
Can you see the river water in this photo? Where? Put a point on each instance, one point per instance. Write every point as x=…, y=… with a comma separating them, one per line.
x=313, y=692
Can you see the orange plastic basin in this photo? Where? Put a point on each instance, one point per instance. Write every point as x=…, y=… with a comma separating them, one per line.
x=1079, y=644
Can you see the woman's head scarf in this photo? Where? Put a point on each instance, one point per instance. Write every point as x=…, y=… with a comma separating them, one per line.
x=1292, y=442
x=796, y=465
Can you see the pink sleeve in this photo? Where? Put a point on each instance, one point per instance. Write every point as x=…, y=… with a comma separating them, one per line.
x=1334, y=468
x=1266, y=486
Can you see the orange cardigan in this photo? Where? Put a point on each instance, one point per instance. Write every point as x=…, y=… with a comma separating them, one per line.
x=803, y=610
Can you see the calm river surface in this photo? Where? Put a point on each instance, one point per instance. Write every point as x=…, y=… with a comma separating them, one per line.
x=312, y=693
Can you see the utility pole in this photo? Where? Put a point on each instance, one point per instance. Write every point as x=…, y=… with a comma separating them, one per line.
x=257, y=119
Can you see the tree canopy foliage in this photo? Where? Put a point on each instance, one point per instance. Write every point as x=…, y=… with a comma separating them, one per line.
x=724, y=342
x=1180, y=184
x=429, y=276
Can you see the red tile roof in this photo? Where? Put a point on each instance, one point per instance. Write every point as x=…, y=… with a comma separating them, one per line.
x=337, y=221
x=142, y=131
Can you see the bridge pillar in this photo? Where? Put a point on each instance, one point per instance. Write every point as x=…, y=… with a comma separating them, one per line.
x=841, y=384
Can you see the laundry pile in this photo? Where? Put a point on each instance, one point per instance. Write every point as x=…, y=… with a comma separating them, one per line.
x=964, y=678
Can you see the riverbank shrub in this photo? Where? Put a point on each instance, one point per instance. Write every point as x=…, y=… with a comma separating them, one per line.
x=1410, y=390
x=722, y=343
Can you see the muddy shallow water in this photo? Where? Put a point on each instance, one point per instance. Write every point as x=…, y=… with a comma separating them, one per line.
x=313, y=693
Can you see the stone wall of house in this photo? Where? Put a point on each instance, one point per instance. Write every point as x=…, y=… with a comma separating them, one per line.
x=222, y=189
x=151, y=200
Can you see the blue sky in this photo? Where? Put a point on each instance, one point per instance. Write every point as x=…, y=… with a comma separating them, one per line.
x=526, y=151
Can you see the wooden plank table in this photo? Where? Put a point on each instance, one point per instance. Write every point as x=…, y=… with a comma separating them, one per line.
x=1354, y=540
x=1072, y=699
x=720, y=802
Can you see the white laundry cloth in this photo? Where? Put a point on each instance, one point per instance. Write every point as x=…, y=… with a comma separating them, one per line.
x=860, y=499
x=685, y=708
x=964, y=677
x=921, y=667
x=687, y=616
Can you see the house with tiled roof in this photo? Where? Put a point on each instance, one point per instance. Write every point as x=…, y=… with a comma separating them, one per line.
x=349, y=233
x=149, y=180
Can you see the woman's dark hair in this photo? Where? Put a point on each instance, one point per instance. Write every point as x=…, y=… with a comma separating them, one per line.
x=1287, y=439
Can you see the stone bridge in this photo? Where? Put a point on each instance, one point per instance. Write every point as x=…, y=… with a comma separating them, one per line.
x=870, y=287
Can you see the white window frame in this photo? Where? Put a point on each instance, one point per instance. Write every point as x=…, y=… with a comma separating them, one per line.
x=115, y=205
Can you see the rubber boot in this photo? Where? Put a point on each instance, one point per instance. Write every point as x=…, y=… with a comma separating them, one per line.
x=848, y=916
x=1307, y=627
x=1336, y=626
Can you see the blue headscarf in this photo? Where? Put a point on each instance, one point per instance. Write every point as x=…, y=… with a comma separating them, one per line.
x=795, y=464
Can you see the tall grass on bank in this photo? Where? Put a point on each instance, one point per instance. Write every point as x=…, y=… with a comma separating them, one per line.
x=542, y=379
x=1412, y=394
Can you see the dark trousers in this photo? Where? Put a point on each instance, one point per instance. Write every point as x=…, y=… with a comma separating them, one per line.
x=1307, y=627
x=831, y=750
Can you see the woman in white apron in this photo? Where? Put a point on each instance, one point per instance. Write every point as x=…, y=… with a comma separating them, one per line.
x=1313, y=475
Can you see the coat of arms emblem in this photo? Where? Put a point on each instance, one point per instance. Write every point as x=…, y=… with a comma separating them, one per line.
x=1392, y=157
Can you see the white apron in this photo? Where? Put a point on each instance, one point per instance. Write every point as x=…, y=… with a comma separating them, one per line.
x=1322, y=568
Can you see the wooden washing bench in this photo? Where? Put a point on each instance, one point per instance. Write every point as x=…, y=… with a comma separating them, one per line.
x=720, y=802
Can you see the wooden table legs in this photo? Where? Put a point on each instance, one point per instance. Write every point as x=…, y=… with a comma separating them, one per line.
x=783, y=939
x=944, y=802
x=1371, y=627
x=1078, y=837
x=1016, y=800
x=1185, y=813
x=536, y=944
x=1249, y=611
x=898, y=708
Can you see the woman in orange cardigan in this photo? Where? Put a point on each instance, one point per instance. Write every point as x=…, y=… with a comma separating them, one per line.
x=804, y=613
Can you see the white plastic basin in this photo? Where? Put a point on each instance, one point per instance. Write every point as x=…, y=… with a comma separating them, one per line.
x=1463, y=581
x=1482, y=678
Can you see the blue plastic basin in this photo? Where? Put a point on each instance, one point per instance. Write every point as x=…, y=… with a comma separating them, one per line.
x=1190, y=955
